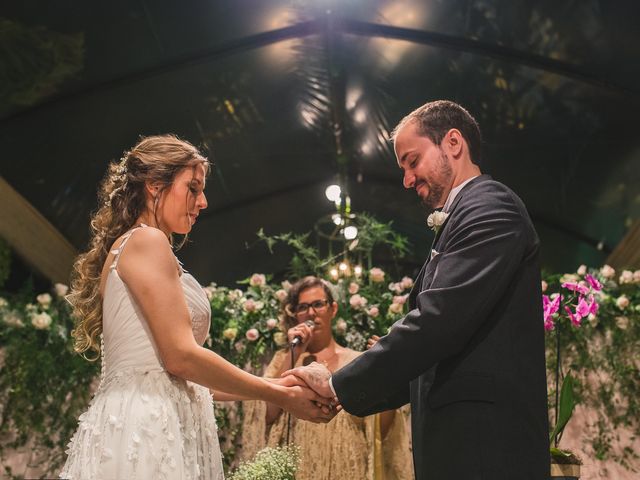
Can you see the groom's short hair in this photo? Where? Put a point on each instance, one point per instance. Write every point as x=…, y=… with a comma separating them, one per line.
x=434, y=119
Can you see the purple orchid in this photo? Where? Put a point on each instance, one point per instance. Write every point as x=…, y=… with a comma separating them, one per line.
x=576, y=287
x=593, y=282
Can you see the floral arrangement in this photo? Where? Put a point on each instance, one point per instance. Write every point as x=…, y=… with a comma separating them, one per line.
x=593, y=314
x=279, y=463
x=593, y=333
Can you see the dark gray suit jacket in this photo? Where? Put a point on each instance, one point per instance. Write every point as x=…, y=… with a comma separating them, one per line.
x=469, y=355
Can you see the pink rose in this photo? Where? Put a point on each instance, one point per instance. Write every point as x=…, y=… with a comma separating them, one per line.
x=582, y=269
x=252, y=334
x=271, y=323
x=636, y=276
x=626, y=277
x=281, y=295
x=353, y=288
x=249, y=305
x=396, y=287
x=357, y=302
x=400, y=299
x=376, y=275
x=607, y=271
x=622, y=302
x=395, y=308
x=373, y=312
x=406, y=282
x=257, y=280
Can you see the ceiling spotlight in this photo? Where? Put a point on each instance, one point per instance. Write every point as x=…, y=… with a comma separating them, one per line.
x=350, y=232
x=333, y=192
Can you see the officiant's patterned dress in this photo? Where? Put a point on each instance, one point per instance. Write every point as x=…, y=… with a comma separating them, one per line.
x=348, y=447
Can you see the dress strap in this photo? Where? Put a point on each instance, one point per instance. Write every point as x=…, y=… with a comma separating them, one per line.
x=125, y=238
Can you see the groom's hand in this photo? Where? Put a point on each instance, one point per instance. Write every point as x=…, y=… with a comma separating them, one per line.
x=316, y=376
x=304, y=403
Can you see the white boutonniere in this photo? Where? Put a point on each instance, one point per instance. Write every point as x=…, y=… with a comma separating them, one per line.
x=436, y=220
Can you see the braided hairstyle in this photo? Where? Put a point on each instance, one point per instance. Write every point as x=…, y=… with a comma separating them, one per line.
x=122, y=200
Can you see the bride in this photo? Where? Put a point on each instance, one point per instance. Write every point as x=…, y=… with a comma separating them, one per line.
x=152, y=415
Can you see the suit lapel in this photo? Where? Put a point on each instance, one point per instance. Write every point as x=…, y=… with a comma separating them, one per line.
x=417, y=285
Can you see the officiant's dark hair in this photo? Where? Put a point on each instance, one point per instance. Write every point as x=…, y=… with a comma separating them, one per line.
x=293, y=295
x=435, y=119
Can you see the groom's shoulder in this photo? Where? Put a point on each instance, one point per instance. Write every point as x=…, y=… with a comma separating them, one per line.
x=490, y=190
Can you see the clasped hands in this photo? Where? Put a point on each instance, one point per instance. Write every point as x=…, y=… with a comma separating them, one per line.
x=308, y=395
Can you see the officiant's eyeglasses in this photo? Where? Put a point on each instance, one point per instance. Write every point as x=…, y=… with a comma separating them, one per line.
x=318, y=306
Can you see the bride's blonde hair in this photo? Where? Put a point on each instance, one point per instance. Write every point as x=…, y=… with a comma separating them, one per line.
x=121, y=199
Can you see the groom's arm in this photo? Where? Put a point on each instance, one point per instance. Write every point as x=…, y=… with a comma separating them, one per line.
x=486, y=245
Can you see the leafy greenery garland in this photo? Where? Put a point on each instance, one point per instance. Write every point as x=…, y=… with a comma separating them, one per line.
x=44, y=386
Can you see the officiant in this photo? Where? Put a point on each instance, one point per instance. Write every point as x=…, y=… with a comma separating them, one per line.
x=370, y=448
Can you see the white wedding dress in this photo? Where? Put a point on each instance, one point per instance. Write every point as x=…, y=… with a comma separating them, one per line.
x=143, y=423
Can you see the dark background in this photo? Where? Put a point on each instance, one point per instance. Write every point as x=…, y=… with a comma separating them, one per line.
x=263, y=87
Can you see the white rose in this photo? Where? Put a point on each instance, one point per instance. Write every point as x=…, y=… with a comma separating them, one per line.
x=259, y=306
x=582, y=269
x=61, y=289
x=286, y=285
x=395, y=308
x=235, y=294
x=622, y=302
x=257, y=280
x=376, y=275
x=41, y=320
x=373, y=312
x=607, y=271
x=626, y=277
x=353, y=288
x=545, y=285
x=13, y=319
x=622, y=323
x=272, y=323
x=3, y=303
x=569, y=278
x=281, y=295
x=230, y=333
x=593, y=320
x=436, y=219
x=341, y=326
x=280, y=338
x=252, y=334
x=30, y=308
x=44, y=299
x=636, y=276
x=406, y=282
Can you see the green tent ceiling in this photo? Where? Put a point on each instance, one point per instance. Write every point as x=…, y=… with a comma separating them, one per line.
x=285, y=94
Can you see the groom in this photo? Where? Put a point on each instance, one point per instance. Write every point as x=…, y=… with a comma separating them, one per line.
x=469, y=355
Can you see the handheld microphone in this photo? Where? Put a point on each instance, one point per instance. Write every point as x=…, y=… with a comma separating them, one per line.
x=297, y=340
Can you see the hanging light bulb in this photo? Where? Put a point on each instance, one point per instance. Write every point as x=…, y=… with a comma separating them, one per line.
x=343, y=267
x=357, y=270
x=334, y=273
x=350, y=232
x=337, y=219
x=333, y=192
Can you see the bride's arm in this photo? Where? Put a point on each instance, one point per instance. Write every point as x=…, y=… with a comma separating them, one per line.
x=148, y=268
